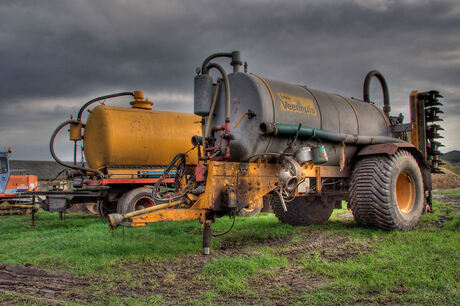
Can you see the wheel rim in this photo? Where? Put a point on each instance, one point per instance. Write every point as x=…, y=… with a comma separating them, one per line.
x=249, y=209
x=143, y=202
x=257, y=204
x=405, y=192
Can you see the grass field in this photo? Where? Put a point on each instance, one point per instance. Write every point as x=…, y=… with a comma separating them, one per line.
x=261, y=261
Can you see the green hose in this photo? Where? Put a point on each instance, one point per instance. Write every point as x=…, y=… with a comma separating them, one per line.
x=291, y=130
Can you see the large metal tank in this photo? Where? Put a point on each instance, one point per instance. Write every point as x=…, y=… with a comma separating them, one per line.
x=278, y=102
x=121, y=136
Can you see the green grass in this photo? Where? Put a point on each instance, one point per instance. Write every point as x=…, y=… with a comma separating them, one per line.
x=421, y=266
x=229, y=274
x=451, y=192
x=416, y=267
x=83, y=245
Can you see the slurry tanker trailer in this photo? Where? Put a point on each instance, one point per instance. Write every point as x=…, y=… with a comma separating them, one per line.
x=302, y=148
x=126, y=150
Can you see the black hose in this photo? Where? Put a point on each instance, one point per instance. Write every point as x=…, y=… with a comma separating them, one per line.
x=204, y=68
x=383, y=83
x=179, y=174
x=120, y=94
x=227, y=89
x=227, y=231
x=53, y=137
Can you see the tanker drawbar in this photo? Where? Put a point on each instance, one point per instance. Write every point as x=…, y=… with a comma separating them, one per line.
x=302, y=150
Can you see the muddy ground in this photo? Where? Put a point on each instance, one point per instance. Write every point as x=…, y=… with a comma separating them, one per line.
x=48, y=287
x=179, y=281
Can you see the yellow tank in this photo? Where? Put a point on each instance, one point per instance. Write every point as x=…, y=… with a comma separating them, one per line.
x=121, y=136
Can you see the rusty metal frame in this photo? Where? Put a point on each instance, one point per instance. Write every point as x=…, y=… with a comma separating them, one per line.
x=250, y=181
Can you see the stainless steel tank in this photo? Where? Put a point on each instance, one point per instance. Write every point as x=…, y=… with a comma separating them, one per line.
x=278, y=102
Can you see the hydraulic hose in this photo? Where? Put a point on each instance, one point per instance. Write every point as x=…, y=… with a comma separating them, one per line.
x=383, y=84
x=53, y=137
x=228, y=230
x=158, y=198
x=78, y=121
x=120, y=94
x=291, y=130
x=204, y=66
x=227, y=89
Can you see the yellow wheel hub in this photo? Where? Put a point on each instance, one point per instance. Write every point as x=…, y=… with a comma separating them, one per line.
x=405, y=192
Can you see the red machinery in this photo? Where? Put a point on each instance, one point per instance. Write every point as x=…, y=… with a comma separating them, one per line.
x=11, y=187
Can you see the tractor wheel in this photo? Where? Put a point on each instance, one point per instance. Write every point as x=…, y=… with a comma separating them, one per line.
x=103, y=208
x=302, y=210
x=387, y=191
x=135, y=199
x=253, y=209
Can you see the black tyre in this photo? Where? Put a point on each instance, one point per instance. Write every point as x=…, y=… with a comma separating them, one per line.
x=103, y=208
x=253, y=209
x=135, y=199
x=387, y=191
x=302, y=211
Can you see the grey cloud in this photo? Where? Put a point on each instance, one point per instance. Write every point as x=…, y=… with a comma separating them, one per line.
x=79, y=49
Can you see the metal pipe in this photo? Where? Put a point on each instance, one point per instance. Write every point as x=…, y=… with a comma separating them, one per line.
x=383, y=84
x=291, y=130
x=227, y=89
x=116, y=219
x=207, y=128
x=5, y=206
x=75, y=152
x=53, y=137
x=204, y=66
x=236, y=61
x=120, y=94
x=206, y=237
x=152, y=209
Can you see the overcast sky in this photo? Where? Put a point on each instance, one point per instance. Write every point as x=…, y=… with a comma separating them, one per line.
x=56, y=55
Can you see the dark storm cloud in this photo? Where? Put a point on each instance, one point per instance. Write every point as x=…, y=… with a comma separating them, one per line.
x=57, y=51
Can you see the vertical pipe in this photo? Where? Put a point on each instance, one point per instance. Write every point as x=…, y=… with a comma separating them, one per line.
x=236, y=61
x=211, y=112
x=227, y=89
x=75, y=152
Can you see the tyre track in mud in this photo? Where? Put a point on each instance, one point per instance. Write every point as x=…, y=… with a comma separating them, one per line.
x=181, y=281
x=41, y=285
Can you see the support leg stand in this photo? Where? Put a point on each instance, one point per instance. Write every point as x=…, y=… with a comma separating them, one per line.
x=206, y=238
x=33, y=218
